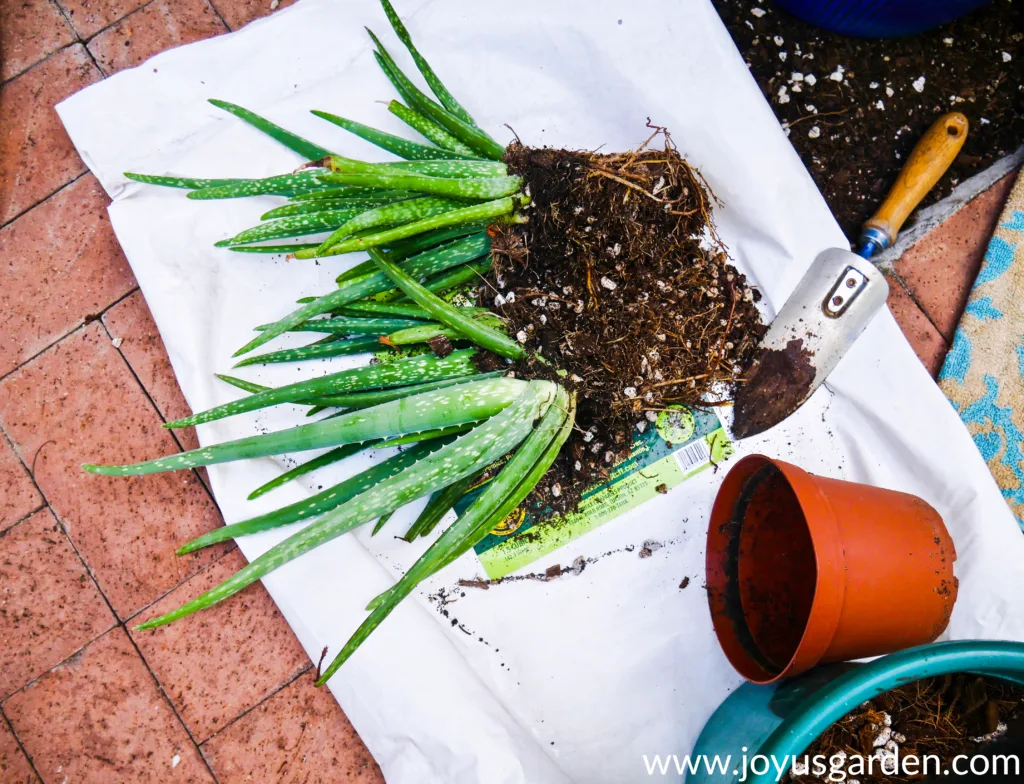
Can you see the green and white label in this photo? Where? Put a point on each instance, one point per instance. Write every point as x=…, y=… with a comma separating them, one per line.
x=681, y=443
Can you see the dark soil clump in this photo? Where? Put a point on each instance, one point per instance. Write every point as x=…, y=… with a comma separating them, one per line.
x=856, y=107
x=945, y=716
x=777, y=384
x=619, y=281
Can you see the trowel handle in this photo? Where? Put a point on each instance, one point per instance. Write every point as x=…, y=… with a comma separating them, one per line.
x=926, y=164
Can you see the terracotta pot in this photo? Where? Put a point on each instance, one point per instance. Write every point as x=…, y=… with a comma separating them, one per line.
x=803, y=570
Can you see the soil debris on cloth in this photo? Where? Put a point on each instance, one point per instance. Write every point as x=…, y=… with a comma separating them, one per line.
x=945, y=716
x=854, y=108
x=619, y=281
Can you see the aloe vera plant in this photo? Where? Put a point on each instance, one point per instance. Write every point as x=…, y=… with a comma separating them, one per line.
x=424, y=221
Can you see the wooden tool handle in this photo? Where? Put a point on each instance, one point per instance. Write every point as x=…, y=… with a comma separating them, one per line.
x=926, y=164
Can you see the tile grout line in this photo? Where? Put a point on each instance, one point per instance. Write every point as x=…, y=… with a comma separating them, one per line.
x=31, y=475
x=8, y=528
x=27, y=210
x=47, y=504
x=309, y=666
x=893, y=274
x=136, y=613
x=218, y=14
x=89, y=319
x=156, y=408
x=60, y=522
x=174, y=710
x=118, y=623
x=24, y=751
x=78, y=38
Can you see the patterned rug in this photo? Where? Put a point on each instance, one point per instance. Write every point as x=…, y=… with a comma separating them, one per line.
x=983, y=375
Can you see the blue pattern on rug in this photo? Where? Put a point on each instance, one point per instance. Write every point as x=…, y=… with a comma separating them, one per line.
x=983, y=375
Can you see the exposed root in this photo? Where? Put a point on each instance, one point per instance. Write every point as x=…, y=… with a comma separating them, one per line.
x=620, y=280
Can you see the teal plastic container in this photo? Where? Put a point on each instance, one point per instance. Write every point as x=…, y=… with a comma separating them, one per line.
x=785, y=718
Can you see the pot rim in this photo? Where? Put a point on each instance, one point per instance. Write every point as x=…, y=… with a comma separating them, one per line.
x=830, y=582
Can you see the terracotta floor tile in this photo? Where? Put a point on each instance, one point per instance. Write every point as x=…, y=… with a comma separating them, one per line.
x=18, y=495
x=91, y=16
x=79, y=402
x=36, y=155
x=131, y=322
x=100, y=717
x=940, y=268
x=238, y=13
x=49, y=605
x=29, y=31
x=926, y=341
x=299, y=734
x=14, y=767
x=208, y=688
x=59, y=264
x=157, y=26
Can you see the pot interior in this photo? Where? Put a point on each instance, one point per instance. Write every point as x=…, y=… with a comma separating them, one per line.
x=776, y=568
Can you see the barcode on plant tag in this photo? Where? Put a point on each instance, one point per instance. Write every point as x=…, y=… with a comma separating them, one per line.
x=694, y=455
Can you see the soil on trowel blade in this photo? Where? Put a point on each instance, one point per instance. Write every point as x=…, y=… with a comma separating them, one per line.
x=619, y=281
x=777, y=383
x=943, y=716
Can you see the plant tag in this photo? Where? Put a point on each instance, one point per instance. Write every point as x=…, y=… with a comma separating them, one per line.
x=678, y=445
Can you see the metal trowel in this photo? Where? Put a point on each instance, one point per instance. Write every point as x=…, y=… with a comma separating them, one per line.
x=841, y=292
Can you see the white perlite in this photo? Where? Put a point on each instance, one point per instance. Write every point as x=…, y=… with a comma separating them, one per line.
x=758, y=12
x=608, y=283
x=918, y=84
x=814, y=133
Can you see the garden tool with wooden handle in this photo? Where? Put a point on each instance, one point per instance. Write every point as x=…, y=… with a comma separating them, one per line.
x=841, y=292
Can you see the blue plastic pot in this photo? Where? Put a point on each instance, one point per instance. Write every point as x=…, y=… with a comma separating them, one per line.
x=785, y=718
x=879, y=18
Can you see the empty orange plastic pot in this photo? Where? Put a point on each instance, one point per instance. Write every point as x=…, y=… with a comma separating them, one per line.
x=803, y=570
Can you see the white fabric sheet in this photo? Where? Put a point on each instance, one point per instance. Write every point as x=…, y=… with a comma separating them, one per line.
x=579, y=677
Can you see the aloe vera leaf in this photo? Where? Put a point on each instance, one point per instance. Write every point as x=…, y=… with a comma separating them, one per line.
x=412, y=370
x=469, y=327
x=318, y=503
x=464, y=456
x=341, y=452
x=471, y=402
x=482, y=188
x=398, y=213
x=403, y=148
x=427, y=263
x=465, y=132
x=307, y=149
x=335, y=348
x=437, y=507
x=170, y=181
x=503, y=494
x=475, y=213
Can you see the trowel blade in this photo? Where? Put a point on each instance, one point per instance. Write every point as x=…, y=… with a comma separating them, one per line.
x=824, y=315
